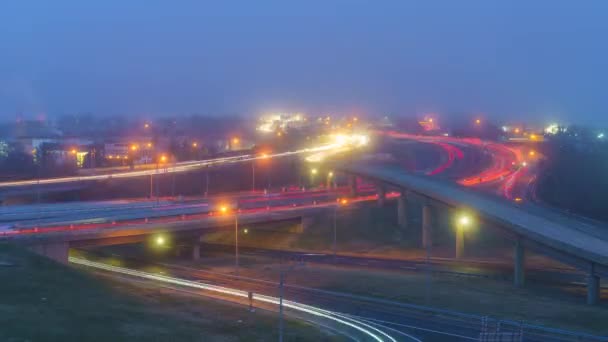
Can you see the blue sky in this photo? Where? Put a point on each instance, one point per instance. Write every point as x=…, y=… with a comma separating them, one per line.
x=543, y=59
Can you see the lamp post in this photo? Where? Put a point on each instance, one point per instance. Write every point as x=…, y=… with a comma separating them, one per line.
x=224, y=210
x=340, y=202
x=313, y=173
x=253, y=175
x=236, y=243
x=206, y=181
x=330, y=176
x=462, y=223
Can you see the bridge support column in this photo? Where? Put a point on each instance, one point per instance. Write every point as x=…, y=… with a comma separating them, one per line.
x=402, y=210
x=459, y=242
x=519, y=259
x=196, y=250
x=352, y=185
x=427, y=224
x=381, y=195
x=57, y=251
x=593, y=286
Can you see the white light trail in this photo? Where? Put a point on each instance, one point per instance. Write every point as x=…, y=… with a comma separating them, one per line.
x=163, y=169
x=367, y=329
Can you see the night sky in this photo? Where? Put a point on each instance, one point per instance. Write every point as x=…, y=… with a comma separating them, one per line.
x=521, y=59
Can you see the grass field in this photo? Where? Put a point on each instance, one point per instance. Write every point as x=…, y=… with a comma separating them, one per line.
x=41, y=300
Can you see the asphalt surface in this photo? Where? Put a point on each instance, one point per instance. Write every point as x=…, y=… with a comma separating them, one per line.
x=424, y=323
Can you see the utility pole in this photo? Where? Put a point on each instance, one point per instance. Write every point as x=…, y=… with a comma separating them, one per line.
x=253, y=175
x=206, y=181
x=236, y=243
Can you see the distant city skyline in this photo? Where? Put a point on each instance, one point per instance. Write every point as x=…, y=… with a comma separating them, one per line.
x=536, y=61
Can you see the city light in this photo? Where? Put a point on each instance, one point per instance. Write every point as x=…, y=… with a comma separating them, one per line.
x=134, y=147
x=245, y=231
x=235, y=140
x=313, y=171
x=552, y=129
x=223, y=209
x=477, y=121
x=532, y=153
x=73, y=151
x=163, y=158
x=343, y=201
x=600, y=136
x=330, y=174
x=146, y=125
x=160, y=240
x=194, y=144
x=524, y=164
x=149, y=145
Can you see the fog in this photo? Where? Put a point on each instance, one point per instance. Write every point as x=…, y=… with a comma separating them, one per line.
x=515, y=60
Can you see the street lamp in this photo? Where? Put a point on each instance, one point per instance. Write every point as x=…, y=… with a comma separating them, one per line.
x=463, y=222
x=161, y=160
x=313, y=173
x=330, y=176
x=224, y=210
x=339, y=202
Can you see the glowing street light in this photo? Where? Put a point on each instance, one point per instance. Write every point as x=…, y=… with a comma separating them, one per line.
x=73, y=151
x=313, y=171
x=195, y=144
x=235, y=140
x=163, y=158
x=464, y=220
x=149, y=145
x=160, y=240
x=462, y=223
x=532, y=153
x=223, y=209
x=146, y=125
x=340, y=202
x=330, y=174
x=246, y=231
x=134, y=147
x=478, y=121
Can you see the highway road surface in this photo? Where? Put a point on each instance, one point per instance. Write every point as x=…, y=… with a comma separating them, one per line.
x=401, y=320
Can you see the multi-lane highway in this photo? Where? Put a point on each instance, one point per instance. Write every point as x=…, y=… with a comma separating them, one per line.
x=166, y=167
x=403, y=322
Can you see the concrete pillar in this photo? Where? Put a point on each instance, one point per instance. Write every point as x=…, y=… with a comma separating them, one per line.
x=519, y=258
x=306, y=223
x=402, y=210
x=459, y=242
x=381, y=195
x=196, y=250
x=593, y=286
x=427, y=224
x=58, y=251
x=352, y=185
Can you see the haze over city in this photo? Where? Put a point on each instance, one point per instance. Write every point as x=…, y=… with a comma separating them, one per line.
x=518, y=59
x=271, y=170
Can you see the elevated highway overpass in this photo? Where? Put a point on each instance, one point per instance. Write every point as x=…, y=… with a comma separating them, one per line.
x=575, y=243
